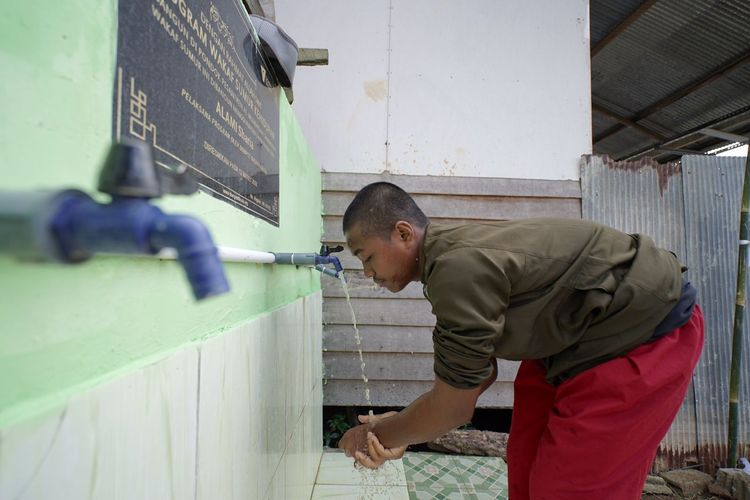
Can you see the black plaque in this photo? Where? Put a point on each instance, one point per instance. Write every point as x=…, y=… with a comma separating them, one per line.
x=192, y=81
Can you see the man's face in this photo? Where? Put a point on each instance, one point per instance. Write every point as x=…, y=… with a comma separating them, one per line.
x=390, y=262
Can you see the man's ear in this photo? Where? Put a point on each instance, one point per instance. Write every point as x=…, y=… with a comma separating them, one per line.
x=404, y=230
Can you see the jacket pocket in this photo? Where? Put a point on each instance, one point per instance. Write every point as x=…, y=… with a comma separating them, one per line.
x=592, y=292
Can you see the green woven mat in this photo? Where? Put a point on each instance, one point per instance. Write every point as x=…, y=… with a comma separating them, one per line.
x=432, y=476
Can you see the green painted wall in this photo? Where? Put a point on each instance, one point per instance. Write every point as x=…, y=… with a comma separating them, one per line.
x=64, y=329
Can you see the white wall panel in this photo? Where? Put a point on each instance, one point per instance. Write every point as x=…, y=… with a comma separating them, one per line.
x=485, y=89
x=341, y=107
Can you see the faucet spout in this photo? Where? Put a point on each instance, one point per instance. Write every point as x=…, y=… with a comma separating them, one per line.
x=322, y=260
x=195, y=251
x=84, y=227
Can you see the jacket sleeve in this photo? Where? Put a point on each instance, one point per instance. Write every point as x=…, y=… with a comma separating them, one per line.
x=469, y=293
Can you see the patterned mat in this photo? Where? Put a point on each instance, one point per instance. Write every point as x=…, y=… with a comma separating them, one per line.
x=431, y=476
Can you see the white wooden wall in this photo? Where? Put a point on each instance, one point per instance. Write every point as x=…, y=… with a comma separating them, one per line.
x=396, y=329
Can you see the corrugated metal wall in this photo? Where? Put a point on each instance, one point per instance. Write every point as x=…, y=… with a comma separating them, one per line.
x=713, y=191
x=396, y=329
x=692, y=209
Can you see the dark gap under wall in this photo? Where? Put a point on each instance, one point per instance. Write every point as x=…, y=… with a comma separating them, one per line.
x=338, y=418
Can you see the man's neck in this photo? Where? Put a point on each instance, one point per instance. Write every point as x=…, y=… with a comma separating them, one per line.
x=419, y=255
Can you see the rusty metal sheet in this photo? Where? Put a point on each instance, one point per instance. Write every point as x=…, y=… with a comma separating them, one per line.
x=645, y=197
x=636, y=197
x=713, y=187
x=692, y=209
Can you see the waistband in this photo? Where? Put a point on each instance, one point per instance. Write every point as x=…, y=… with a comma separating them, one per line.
x=677, y=317
x=680, y=313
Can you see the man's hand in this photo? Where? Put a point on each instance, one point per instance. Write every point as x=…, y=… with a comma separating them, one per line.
x=354, y=440
x=376, y=453
x=363, y=445
x=431, y=415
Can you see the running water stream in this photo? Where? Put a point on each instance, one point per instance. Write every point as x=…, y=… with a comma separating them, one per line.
x=374, y=483
x=358, y=339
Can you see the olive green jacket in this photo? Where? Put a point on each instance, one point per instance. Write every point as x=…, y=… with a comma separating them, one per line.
x=568, y=292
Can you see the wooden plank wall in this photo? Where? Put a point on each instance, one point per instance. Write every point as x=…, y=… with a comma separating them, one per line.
x=396, y=329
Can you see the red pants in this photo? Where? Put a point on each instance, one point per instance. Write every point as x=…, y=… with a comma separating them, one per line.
x=594, y=437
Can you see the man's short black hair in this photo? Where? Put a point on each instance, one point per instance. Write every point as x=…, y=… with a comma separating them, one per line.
x=378, y=206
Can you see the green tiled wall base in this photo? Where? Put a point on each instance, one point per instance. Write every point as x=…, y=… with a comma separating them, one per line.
x=437, y=476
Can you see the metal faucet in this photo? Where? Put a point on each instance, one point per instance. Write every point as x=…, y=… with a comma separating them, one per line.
x=317, y=260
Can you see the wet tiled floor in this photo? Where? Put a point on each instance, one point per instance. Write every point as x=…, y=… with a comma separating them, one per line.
x=416, y=476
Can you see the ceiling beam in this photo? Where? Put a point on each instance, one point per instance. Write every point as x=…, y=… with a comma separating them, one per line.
x=694, y=85
x=679, y=94
x=633, y=17
x=678, y=151
x=727, y=136
x=739, y=118
x=606, y=133
x=628, y=123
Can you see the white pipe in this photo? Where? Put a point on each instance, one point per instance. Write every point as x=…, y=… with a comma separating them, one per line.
x=229, y=254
